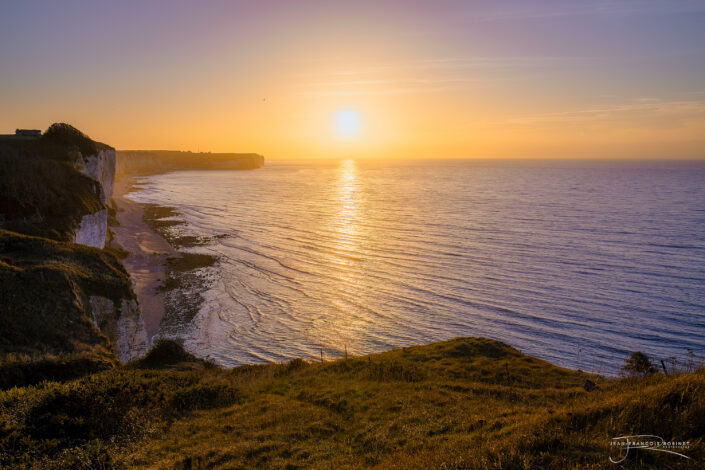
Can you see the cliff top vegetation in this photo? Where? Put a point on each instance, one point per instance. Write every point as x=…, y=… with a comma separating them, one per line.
x=60, y=141
x=67, y=136
x=46, y=327
x=468, y=403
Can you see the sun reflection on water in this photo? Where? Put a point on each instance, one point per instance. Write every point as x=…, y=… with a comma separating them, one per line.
x=345, y=224
x=346, y=317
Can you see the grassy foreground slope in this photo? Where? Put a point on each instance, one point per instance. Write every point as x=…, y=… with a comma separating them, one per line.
x=465, y=403
x=47, y=330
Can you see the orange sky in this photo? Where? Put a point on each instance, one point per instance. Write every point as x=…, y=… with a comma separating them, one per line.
x=427, y=79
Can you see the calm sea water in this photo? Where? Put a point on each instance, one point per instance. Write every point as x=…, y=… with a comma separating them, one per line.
x=575, y=263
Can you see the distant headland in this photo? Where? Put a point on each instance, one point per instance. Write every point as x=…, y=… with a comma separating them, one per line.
x=146, y=162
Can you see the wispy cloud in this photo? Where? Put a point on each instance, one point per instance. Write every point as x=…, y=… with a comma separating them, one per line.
x=446, y=64
x=547, y=10
x=386, y=87
x=428, y=75
x=668, y=113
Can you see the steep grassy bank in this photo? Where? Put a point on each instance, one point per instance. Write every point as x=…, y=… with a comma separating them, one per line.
x=466, y=403
x=47, y=327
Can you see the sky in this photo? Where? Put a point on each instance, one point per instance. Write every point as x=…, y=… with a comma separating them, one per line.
x=419, y=79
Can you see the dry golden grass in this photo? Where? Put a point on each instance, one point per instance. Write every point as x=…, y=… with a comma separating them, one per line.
x=466, y=403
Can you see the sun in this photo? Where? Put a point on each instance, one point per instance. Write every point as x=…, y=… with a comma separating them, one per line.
x=348, y=124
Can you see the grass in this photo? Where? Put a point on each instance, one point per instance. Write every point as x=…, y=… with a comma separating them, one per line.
x=466, y=403
x=46, y=327
x=166, y=354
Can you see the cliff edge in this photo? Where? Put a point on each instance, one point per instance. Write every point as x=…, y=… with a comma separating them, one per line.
x=66, y=304
x=57, y=186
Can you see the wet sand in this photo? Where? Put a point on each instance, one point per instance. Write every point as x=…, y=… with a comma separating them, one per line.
x=149, y=252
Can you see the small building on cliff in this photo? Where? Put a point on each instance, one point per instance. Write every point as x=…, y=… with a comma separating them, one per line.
x=28, y=132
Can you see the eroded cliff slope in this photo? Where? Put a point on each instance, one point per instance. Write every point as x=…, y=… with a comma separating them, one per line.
x=61, y=303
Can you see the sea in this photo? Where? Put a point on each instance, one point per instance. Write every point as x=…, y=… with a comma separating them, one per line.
x=578, y=263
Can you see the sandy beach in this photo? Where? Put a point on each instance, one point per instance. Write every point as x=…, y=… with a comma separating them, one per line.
x=147, y=262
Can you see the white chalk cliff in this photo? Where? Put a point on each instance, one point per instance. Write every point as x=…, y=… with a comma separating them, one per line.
x=100, y=167
x=123, y=324
x=93, y=228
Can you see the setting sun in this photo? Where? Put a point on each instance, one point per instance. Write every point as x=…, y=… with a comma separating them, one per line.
x=347, y=124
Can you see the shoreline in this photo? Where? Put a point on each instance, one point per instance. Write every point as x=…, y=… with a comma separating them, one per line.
x=147, y=262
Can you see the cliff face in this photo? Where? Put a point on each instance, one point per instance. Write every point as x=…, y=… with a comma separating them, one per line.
x=43, y=196
x=93, y=230
x=59, y=300
x=57, y=186
x=101, y=168
x=145, y=162
x=122, y=321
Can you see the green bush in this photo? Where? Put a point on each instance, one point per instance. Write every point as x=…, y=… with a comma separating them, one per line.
x=639, y=363
x=167, y=353
x=20, y=374
x=203, y=396
x=68, y=136
x=63, y=421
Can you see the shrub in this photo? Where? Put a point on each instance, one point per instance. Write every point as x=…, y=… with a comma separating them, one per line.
x=66, y=135
x=203, y=396
x=166, y=353
x=20, y=373
x=639, y=363
x=291, y=366
x=104, y=405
